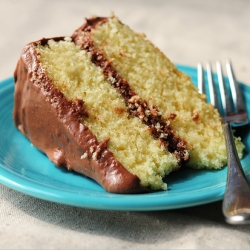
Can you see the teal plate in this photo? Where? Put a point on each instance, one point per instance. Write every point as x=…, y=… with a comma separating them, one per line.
x=27, y=170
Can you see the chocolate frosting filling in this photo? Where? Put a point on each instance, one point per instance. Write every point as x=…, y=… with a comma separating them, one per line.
x=53, y=124
x=151, y=116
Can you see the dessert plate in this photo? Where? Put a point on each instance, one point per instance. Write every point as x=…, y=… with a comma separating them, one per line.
x=27, y=170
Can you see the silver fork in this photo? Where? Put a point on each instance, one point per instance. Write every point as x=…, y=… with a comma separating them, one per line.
x=236, y=202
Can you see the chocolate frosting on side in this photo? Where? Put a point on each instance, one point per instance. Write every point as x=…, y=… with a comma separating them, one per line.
x=53, y=124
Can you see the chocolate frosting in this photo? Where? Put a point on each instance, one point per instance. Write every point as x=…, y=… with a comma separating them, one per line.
x=53, y=124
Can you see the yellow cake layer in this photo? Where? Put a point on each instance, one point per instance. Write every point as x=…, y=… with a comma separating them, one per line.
x=73, y=73
x=150, y=74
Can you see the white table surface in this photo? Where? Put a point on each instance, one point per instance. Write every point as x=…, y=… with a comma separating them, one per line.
x=187, y=32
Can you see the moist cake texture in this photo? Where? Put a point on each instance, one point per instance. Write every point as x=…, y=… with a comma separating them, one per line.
x=108, y=104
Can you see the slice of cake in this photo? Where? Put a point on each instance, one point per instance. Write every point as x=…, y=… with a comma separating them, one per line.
x=108, y=104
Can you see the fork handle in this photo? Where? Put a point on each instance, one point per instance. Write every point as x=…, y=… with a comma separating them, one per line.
x=236, y=202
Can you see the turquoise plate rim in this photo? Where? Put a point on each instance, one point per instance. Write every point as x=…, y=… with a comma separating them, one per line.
x=27, y=170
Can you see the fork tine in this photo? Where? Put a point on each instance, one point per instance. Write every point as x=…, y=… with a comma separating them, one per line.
x=236, y=93
x=236, y=205
x=212, y=91
x=201, y=85
x=226, y=105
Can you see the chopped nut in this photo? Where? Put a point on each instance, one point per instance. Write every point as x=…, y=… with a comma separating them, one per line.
x=158, y=125
x=91, y=149
x=147, y=112
x=112, y=79
x=67, y=39
x=172, y=116
x=85, y=155
x=163, y=135
x=195, y=116
x=94, y=156
x=134, y=98
x=186, y=155
x=154, y=112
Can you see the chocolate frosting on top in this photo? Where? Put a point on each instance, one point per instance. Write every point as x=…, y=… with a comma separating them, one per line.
x=53, y=124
